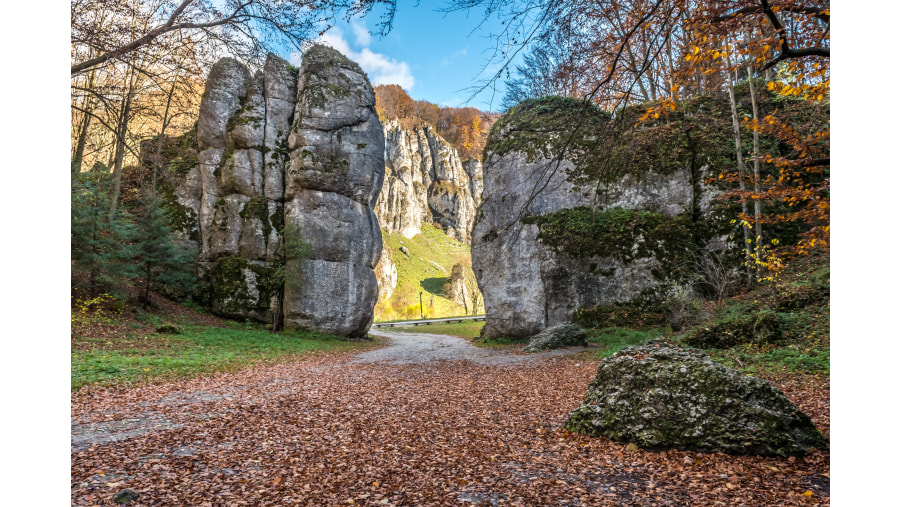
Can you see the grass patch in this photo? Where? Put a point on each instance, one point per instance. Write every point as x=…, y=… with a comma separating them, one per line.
x=198, y=350
x=467, y=329
x=793, y=359
x=614, y=339
x=426, y=269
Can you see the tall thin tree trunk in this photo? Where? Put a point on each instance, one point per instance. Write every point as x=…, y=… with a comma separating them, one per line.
x=162, y=132
x=78, y=156
x=740, y=165
x=82, y=141
x=147, y=287
x=120, y=154
x=757, y=204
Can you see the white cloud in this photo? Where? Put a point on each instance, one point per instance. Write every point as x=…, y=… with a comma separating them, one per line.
x=380, y=68
x=363, y=37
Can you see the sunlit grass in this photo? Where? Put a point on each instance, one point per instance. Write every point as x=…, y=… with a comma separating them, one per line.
x=467, y=329
x=198, y=350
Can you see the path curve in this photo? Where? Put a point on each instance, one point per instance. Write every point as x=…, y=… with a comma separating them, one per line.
x=418, y=348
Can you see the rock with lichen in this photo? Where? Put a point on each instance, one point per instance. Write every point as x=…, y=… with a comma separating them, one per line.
x=281, y=194
x=549, y=239
x=558, y=336
x=334, y=177
x=659, y=396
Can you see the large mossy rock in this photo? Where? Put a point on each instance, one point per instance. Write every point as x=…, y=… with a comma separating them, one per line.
x=605, y=216
x=335, y=175
x=662, y=397
x=556, y=337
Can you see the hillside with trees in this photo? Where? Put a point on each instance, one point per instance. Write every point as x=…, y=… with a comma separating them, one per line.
x=465, y=128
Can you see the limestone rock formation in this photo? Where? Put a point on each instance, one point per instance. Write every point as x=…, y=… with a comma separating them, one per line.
x=558, y=336
x=242, y=124
x=533, y=267
x=475, y=172
x=335, y=175
x=288, y=170
x=386, y=273
x=425, y=182
x=659, y=396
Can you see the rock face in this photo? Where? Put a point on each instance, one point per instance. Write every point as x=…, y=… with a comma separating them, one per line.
x=425, y=182
x=530, y=278
x=287, y=173
x=244, y=120
x=386, y=273
x=662, y=397
x=558, y=336
x=335, y=175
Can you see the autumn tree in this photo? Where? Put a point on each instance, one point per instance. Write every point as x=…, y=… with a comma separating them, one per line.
x=465, y=128
x=247, y=28
x=658, y=53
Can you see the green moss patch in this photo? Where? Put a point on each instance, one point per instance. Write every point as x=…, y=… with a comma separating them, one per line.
x=624, y=234
x=231, y=296
x=640, y=313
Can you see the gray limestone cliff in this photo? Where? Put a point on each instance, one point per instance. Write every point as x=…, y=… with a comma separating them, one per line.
x=546, y=245
x=426, y=182
x=386, y=272
x=279, y=204
x=334, y=177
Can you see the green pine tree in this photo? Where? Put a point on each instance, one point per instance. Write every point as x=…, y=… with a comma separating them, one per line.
x=162, y=262
x=101, y=248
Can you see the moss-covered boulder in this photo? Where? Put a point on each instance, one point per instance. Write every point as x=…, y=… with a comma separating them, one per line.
x=607, y=214
x=659, y=397
x=556, y=337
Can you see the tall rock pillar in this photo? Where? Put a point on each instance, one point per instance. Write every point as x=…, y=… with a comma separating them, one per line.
x=335, y=175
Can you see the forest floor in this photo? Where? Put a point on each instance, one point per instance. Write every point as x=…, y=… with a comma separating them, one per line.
x=423, y=421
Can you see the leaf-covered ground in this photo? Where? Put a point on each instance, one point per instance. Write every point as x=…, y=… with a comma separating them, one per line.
x=332, y=431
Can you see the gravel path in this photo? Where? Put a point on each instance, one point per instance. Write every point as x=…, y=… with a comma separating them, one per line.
x=421, y=348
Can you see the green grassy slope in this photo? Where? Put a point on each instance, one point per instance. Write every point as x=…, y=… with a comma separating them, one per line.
x=419, y=272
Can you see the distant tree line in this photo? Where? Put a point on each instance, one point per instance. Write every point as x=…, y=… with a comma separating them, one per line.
x=465, y=128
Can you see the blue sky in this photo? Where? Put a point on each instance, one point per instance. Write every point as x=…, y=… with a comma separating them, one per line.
x=434, y=56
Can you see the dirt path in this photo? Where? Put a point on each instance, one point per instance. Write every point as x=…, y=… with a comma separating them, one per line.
x=426, y=420
x=421, y=348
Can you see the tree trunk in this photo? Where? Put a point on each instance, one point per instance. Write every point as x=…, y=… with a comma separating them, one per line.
x=147, y=288
x=740, y=165
x=757, y=205
x=120, y=154
x=78, y=156
x=162, y=132
x=82, y=141
x=278, y=312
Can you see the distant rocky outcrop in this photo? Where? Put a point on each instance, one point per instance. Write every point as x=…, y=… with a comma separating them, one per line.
x=426, y=182
x=280, y=202
x=659, y=397
x=548, y=241
x=386, y=273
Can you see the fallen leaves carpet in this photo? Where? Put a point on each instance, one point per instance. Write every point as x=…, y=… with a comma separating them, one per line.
x=325, y=431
